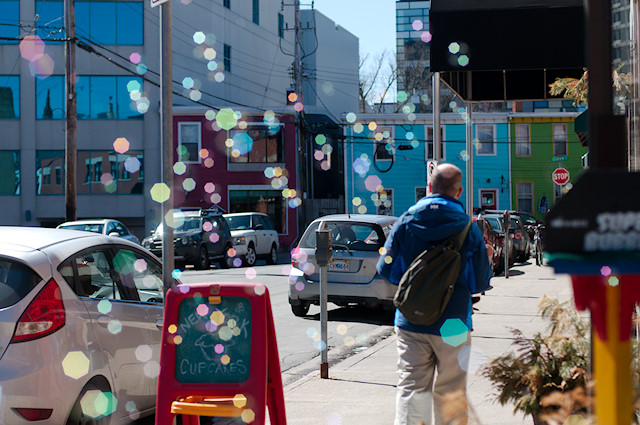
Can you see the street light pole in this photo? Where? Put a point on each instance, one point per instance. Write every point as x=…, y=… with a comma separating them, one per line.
x=70, y=148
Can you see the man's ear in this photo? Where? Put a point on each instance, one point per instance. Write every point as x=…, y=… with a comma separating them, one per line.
x=459, y=193
x=429, y=188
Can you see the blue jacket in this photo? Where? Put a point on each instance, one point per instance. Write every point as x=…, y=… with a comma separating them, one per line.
x=430, y=221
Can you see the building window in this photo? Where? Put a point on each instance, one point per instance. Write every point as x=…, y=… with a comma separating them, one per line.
x=108, y=172
x=559, y=139
x=384, y=203
x=421, y=192
x=226, y=3
x=485, y=135
x=524, y=196
x=10, y=13
x=45, y=162
x=9, y=94
x=256, y=12
x=227, y=58
x=189, y=141
x=257, y=144
x=383, y=147
x=488, y=199
x=269, y=202
x=58, y=175
x=98, y=97
x=280, y=25
x=523, y=140
x=9, y=172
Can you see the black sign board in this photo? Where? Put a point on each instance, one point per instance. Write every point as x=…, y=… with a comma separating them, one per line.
x=215, y=345
x=600, y=214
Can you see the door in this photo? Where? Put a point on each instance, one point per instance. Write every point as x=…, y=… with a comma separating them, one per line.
x=264, y=235
x=488, y=199
x=119, y=324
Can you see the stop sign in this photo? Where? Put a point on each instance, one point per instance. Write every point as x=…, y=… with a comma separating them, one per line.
x=560, y=176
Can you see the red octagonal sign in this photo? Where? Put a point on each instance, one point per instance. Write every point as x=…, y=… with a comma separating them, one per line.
x=560, y=176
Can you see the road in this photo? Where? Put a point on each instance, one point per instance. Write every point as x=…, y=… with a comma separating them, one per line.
x=349, y=329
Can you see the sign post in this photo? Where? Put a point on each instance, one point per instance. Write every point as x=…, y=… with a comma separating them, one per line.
x=219, y=355
x=506, y=221
x=323, y=257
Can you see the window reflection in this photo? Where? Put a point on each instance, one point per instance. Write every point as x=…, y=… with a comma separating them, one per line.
x=269, y=202
x=10, y=13
x=50, y=102
x=9, y=172
x=46, y=163
x=9, y=94
x=266, y=146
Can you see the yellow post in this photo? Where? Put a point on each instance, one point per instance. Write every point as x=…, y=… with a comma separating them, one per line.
x=612, y=367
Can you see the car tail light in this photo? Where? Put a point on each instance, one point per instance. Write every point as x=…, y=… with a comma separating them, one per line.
x=43, y=316
x=34, y=414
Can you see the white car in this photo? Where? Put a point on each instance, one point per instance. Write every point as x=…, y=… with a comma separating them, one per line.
x=104, y=226
x=80, y=327
x=253, y=237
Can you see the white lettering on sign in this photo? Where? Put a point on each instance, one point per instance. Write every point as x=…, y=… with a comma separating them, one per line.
x=563, y=223
x=617, y=231
x=212, y=368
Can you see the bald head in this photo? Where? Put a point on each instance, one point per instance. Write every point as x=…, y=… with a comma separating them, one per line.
x=446, y=180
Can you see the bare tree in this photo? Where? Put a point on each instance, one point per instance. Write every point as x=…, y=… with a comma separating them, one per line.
x=377, y=78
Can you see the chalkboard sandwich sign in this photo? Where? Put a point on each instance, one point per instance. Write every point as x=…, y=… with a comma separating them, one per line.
x=219, y=354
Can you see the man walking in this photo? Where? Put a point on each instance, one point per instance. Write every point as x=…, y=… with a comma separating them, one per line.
x=423, y=350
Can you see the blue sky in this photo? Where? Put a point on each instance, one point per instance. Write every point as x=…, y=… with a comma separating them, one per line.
x=372, y=21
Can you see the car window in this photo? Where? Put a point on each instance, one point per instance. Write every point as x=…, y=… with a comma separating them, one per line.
x=139, y=273
x=239, y=222
x=94, y=276
x=266, y=222
x=111, y=227
x=121, y=229
x=95, y=228
x=495, y=223
x=191, y=223
x=355, y=236
x=16, y=281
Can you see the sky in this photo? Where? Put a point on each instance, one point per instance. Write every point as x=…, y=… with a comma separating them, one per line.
x=372, y=21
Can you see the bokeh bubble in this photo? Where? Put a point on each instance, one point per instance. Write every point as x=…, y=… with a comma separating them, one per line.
x=454, y=48
x=132, y=164
x=114, y=326
x=151, y=369
x=321, y=139
x=42, y=67
x=199, y=37
x=97, y=404
x=31, y=47
x=226, y=119
x=417, y=25
x=160, y=192
x=426, y=36
x=179, y=168
x=143, y=353
x=243, y=143
x=351, y=117
x=189, y=184
x=454, y=332
x=135, y=58
x=372, y=183
x=75, y=364
x=250, y=273
x=140, y=265
x=260, y=290
x=104, y=306
x=121, y=145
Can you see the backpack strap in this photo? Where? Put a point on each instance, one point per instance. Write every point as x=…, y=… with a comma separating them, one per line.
x=459, y=238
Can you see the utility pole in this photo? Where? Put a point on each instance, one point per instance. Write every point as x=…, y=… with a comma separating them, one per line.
x=303, y=187
x=166, y=118
x=437, y=150
x=70, y=148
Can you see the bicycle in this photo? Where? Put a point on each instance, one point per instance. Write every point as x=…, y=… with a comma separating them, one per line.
x=538, y=245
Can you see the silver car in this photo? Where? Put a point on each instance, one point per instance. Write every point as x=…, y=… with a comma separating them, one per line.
x=104, y=226
x=80, y=327
x=352, y=276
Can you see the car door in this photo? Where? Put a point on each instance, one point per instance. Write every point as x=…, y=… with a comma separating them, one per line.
x=142, y=275
x=270, y=231
x=263, y=242
x=119, y=324
x=214, y=236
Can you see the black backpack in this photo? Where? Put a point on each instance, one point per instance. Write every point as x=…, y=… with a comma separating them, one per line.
x=427, y=285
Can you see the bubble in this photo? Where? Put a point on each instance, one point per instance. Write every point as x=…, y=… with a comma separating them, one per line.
x=152, y=369
x=372, y=126
x=250, y=273
x=239, y=400
x=189, y=184
x=318, y=155
x=426, y=36
x=187, y=82
x=349, y=341
x=130, y=406
x=135, y=58
x=243, y=143
x=106, y=179
x=140, y=265
x=172, y=329
x=356, y=201
x=216, y=198
x=388, y=259
x=292, y=97
x=219, y=77
x=312, y=332
x=184, y=289
x=177, y=340
x=605, y=271
x=328, y=88
x=362, y=209
x=199, y=37
x=226, y=119
x=217, y=317
x=613, y=281
x=334, y=419
x=195, y=95
x=132, y=164
x=75, y=364
x=248, y=416
x=225, y=333
x=361, y=166
x=42, y=67
x=464, y=155
x=417, y=25
x=104, y=306
x=214, y=237
x=454, y=332
x=31, y=48
x=351, y=117
x=358, y=127
x=174, y=218
x=143, y=105
x=260, y=290
x=325, y=165
x=202, y=309
x=237, y=262
x=121, y=145
x=143, y=353
x=342, y=329
x=463, y=60
x=321, y=139
x=218, y=348
x=114, y=326
x=208, y=162
x=96, y=404
x=472, y=359
x=454, y=48
x=210, y=53
x=176, y=274
x=372, y=183
x=401, y=96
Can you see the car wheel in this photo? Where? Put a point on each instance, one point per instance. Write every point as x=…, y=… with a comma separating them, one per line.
x=78, y=417
x=202, y=262
x=300, y=310
x=250, y=256
x=273, y=255
x=226, y=262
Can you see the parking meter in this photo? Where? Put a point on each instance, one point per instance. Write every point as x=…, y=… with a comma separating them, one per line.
x=324, y=254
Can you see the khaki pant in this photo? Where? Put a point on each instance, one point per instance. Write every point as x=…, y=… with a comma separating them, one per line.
x=419, y=357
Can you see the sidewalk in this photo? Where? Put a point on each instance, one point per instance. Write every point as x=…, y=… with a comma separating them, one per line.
x=361, y=389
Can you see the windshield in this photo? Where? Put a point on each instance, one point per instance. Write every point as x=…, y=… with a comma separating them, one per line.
x=355, y=236
x=495, y=223
x=16, y=281
x=190, y=223
x=86, y=227
x=239, y=222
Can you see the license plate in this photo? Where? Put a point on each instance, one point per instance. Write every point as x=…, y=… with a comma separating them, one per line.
x=339, y=266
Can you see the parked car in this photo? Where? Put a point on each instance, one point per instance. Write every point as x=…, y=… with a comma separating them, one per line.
x=104, y=226
x=203, y=236
x=80, y=319
x=494, y=244
x=528, y=220
x=519, y=235
x=351, y=275
x=254, y=236
x=495, y=222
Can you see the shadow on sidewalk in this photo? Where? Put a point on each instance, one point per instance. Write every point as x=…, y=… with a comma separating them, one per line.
x=358, y=314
